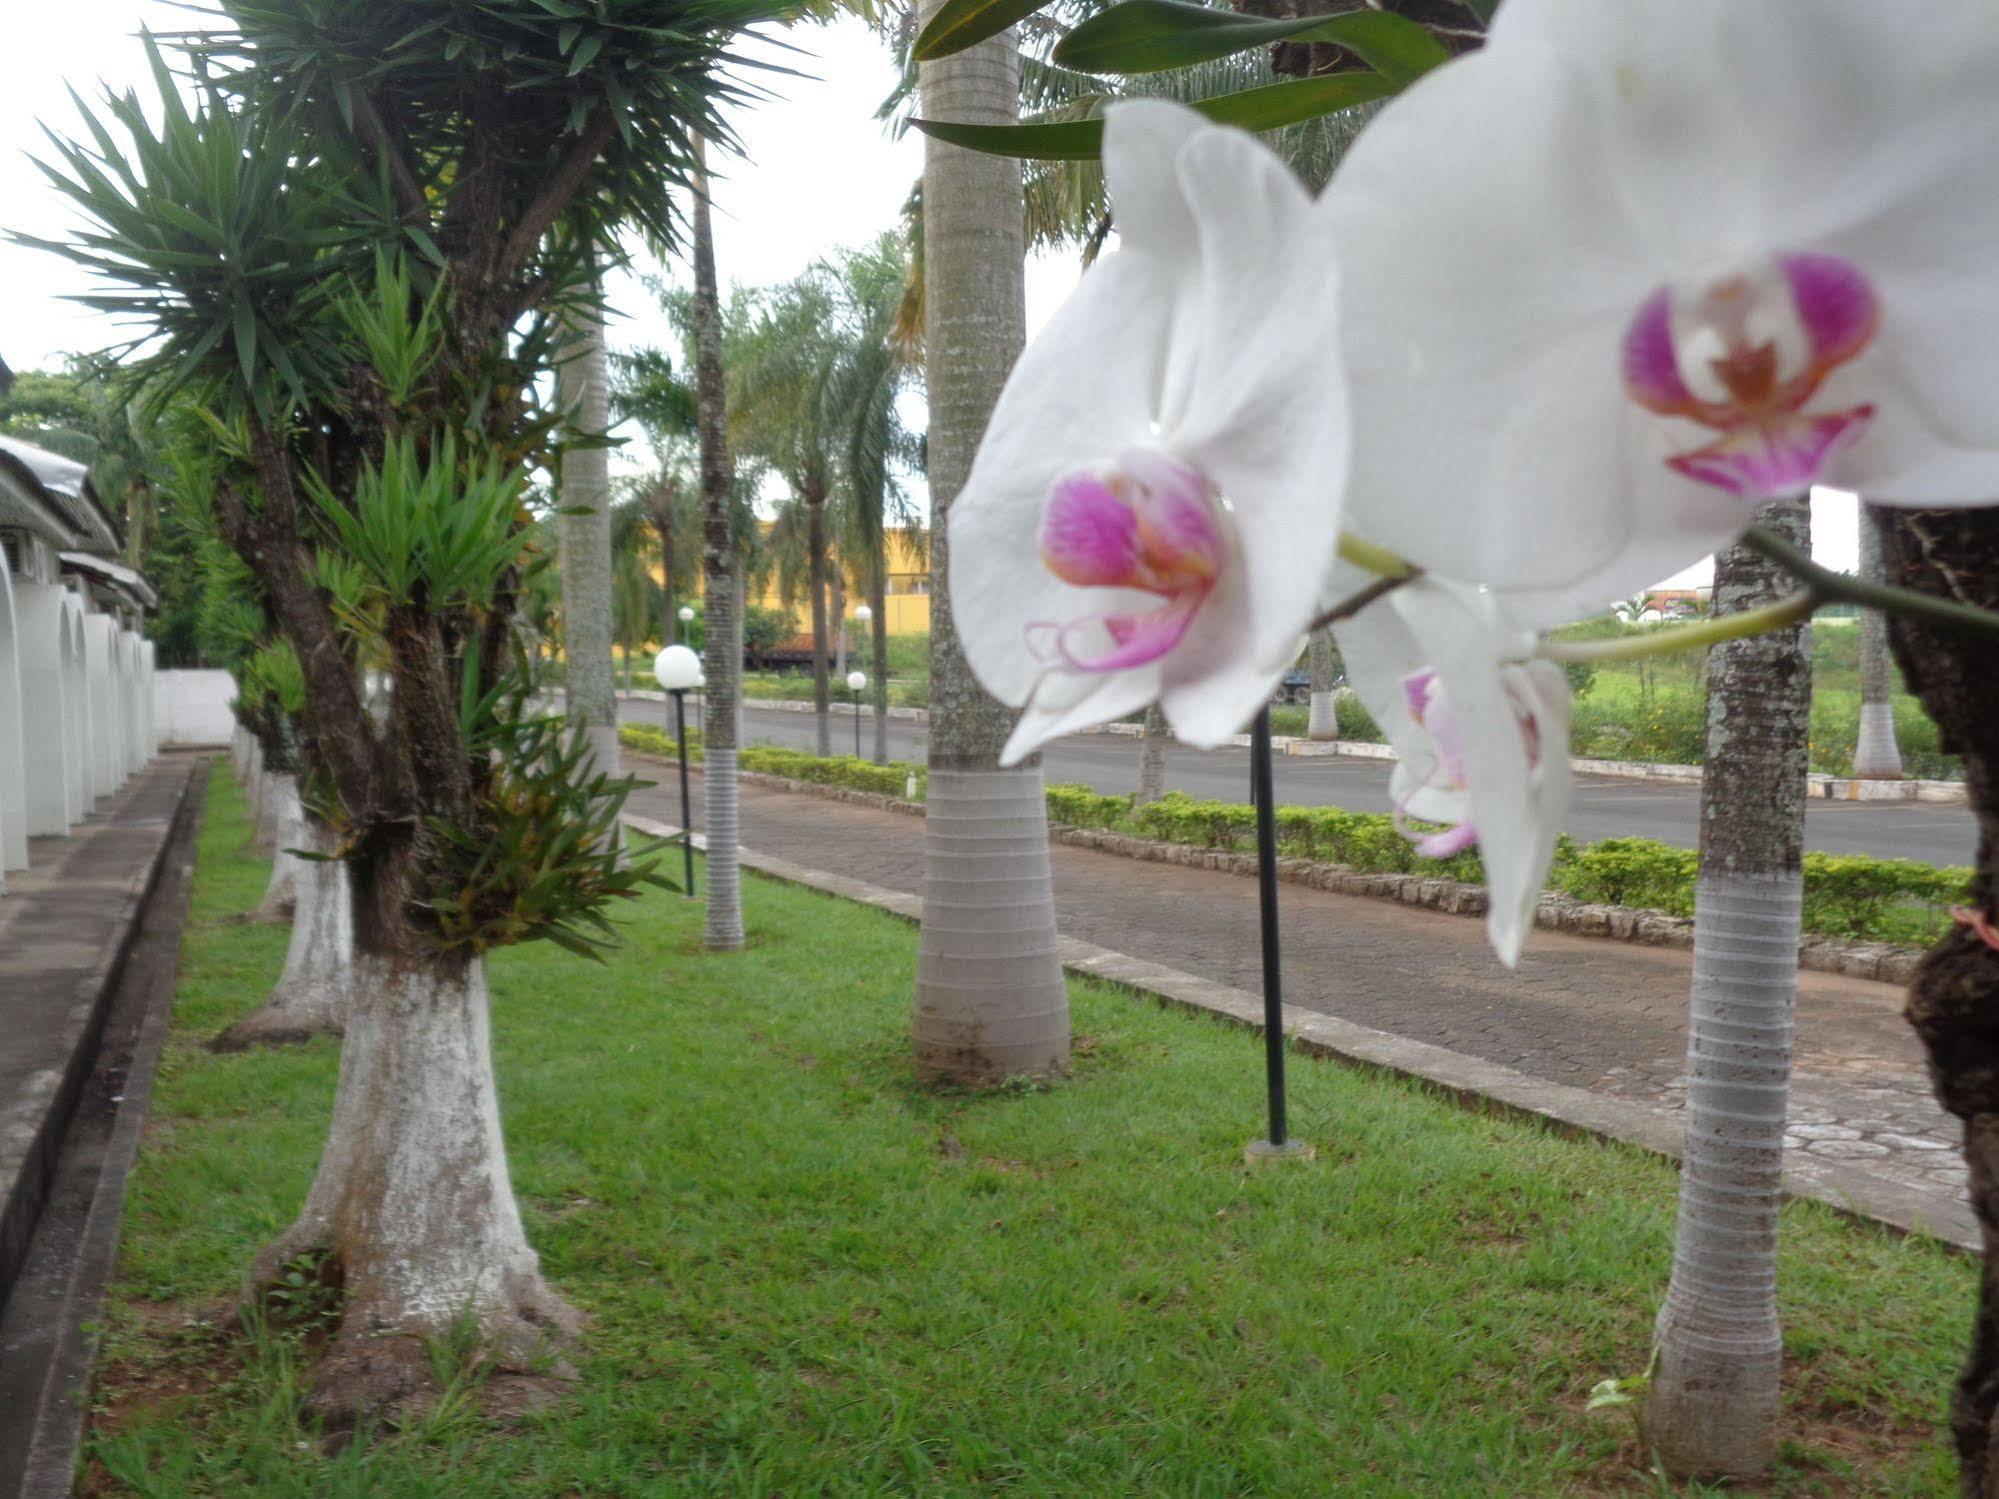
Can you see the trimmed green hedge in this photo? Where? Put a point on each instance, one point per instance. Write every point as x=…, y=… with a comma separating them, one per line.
x=1846, y=895
x=891, y=779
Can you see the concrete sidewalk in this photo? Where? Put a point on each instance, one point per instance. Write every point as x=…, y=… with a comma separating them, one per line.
x=1580, y=1018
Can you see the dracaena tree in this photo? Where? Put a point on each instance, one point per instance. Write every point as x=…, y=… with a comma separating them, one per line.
x=347, y=227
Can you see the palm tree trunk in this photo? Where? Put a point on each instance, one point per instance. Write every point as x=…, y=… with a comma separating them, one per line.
x=1954, y=1001
x=990, y=998
x=1152, y=758
x=815, y=546
x=288, y=821
x=1876, y=756
x=722, y=654
x=669, y=616
x=584, y=538
x=1325, y=721
x=878, y=629
x=1713, y=1401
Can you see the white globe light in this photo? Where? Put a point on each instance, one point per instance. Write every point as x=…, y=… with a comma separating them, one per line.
x=676, y=669
x=856, y=680
x=864, y=614
x=686, y=613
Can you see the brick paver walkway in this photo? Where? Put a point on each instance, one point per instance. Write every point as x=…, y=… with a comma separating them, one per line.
x=1581, y=1011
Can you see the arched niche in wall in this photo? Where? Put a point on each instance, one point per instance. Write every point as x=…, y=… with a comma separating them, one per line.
x=43, y=641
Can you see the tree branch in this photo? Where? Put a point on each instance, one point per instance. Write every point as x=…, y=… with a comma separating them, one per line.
x=559, y=192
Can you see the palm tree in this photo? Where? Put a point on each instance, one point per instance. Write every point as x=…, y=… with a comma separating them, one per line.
x=778, y=409
x=1152, y=758
x=583, y=529
x=1325, y=659
x=874, y=362
x=722, y=655
x=1876, y=756
x=990, y=997
x=1711, y=1408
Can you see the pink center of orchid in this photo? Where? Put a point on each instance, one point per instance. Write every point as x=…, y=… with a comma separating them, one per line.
x=1743, y=354
x=1150, y=524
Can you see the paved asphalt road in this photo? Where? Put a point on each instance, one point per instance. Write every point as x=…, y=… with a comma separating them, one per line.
x=1603, y=808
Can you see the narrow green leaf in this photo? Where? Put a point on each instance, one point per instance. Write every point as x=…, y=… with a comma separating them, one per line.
x=246, y=340
x=565, y=38
x=1268, y=108
x=959, y=24
x=1154, y=36
x=587, y=53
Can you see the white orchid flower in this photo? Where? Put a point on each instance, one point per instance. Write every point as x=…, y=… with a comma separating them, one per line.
x=1481, y=737
x=1155, y=506
x=1639, y=265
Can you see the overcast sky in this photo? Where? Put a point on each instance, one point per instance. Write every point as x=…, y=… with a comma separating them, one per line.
x=819, y=172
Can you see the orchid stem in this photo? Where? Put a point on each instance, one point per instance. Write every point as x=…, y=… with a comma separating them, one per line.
x=1390, y=571
x=1370, y=558
x=1353, y=603
x=1827, y=584
x=1674, y=638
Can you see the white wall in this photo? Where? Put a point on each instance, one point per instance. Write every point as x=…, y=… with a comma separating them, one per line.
x=192, y=707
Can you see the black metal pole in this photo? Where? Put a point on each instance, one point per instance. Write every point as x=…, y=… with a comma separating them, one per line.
x=686, y=802
x=857, y=726
x=1261, y=791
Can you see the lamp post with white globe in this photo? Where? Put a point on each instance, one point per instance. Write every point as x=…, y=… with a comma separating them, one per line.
x=863, y=616
x=677, y=669
x=857, y=683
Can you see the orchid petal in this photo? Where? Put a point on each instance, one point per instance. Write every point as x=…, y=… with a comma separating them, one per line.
x=1517, y=793
x=1088, y=374
x=1063, y=704
x=1276, y=445
x=1602, y=152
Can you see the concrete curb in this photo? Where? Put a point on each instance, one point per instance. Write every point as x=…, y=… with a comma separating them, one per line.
x=33, y=1122
x=1822, y=787
x=1883, y=962
x=50, y=1334
x=1851, y=1191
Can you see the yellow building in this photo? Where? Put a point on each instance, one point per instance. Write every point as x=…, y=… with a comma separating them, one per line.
x=908, y=589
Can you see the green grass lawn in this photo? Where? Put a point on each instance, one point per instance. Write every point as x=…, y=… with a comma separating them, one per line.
x=807, y=1276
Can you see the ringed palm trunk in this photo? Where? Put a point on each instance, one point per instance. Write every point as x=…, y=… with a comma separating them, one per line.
x=584, y=539
x=1152, y=758
x=1953, y=1003
x=815, y=545
x=990, y=997
x=669, y=615
x=1325, y=720
x=878, y=633
x=1876, y=756
x=1712, y=1407
x=722, y=650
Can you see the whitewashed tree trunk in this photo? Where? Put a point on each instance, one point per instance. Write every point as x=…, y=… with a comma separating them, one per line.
x=255, y=789
x=991, y=1002
x=239, y=753
x=1712, y=1407
x=1876, y=755
x=722, y=651
x=311, y=998
x=584, y=538
x=1152, y=758
x=286, y=819
x=412, y=1204
x=1325, y=719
